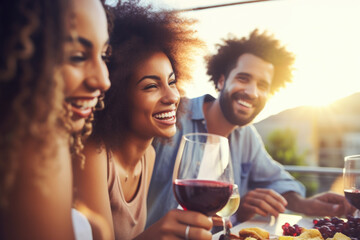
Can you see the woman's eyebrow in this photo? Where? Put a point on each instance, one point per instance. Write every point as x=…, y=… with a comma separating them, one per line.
x=154, y=77
x=149, y=76
x=83, y=41
x=86, y=43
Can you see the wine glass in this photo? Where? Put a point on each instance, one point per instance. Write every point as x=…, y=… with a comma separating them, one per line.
x=352, y=180
x=229, y=209
x=203, y=175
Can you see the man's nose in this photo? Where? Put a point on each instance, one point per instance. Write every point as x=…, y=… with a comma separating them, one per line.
x=252, y=90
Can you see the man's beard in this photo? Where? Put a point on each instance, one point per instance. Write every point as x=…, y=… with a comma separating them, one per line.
x=226, y=106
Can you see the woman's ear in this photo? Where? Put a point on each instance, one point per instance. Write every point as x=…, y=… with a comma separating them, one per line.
x=221, y=82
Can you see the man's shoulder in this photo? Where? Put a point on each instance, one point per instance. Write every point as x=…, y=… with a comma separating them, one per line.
x=244, y=130
x=191, y=108
x=245, y=134
x=199, y=100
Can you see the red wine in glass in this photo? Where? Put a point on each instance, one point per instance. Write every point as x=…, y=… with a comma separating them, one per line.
x=205, y=196
x=353, y=196
x=352, y=181
x=203, y=174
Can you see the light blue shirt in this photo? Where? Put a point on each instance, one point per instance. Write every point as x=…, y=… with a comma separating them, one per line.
x=253, y=166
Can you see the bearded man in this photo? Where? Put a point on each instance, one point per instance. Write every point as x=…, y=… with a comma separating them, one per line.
x=246, y=72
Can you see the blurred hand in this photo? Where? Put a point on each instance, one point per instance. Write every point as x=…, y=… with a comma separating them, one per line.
x=217, y=221
x=328, y=204
x=173, y=226
x=260, y=201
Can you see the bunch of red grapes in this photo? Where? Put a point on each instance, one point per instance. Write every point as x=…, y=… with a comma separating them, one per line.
x=289, y=230
x=328, y=227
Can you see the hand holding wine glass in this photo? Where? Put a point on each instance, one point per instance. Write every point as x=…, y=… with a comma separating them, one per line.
x=203, y=175
x=352, y=180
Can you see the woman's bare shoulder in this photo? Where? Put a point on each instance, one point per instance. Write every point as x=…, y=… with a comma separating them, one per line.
x=94, y=149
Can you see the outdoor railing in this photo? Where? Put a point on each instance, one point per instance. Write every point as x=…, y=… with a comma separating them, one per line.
x=313, y=169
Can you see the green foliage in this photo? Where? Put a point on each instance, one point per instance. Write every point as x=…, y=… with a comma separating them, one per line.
x=281, y=144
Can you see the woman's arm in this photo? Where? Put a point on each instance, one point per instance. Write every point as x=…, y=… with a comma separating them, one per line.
x=41, y=198
x=91, y=191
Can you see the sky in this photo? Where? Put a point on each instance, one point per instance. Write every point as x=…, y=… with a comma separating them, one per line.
x=323, y=34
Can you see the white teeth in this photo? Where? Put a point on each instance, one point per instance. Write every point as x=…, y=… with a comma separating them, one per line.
x=165, y=115
x=84, y=104
x=246, y=104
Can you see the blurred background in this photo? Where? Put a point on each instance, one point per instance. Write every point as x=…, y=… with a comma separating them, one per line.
x=312, y=123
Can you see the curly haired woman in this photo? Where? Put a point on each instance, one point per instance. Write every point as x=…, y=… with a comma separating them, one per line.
x=150, y=62
x=52, y=53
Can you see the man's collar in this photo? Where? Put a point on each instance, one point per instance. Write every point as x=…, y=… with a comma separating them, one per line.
x=197, y=106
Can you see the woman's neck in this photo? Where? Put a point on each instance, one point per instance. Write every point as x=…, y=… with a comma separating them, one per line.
x=130, y=152
x=129, y=166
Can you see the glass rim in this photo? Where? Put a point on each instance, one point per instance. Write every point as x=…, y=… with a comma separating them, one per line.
x=352, y=157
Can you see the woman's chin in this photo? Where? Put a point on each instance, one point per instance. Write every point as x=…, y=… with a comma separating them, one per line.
x=168, y=134
x=77, y=124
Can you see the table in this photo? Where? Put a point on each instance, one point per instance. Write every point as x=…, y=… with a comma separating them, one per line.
x=271, y=224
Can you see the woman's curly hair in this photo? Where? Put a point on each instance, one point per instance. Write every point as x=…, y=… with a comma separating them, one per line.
x=260, y=44
x=31, y=88
x=139, y=31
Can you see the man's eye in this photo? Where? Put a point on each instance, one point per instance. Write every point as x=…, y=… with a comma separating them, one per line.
x=243, y=79
x=264, y=86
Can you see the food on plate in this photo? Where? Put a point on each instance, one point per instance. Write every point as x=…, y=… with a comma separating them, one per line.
x=329, y=226
x=286, y=238
x=324, y=229
x=312, y=234
x=229, y=237
x=307, y=234
x=254, y=233
x=339, y=236
x=289, y=230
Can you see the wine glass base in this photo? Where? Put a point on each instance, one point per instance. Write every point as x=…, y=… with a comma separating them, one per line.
x=357, y=213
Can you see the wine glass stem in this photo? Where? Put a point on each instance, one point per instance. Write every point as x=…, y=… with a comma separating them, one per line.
x=226, y=228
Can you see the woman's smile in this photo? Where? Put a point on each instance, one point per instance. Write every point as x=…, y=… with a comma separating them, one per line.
x=168, y=117
x=82, y=107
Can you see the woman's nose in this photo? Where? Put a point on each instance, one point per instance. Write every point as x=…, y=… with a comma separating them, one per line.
x=99, y=76
x=171, y=95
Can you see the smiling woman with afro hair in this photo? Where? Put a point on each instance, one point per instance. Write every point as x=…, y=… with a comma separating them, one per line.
x=149, y=66
x=137, y=33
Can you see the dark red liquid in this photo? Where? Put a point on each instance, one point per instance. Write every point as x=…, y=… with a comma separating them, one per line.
x=204, y=196
x=353, y=196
